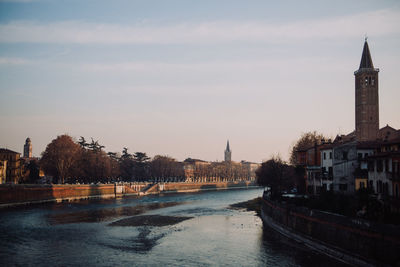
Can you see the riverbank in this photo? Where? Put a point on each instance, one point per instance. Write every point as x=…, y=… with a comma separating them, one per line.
x=250, y=205
x=353, y=241
x=17, y=195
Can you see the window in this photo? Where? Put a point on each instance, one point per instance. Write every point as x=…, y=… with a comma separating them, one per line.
x=330, y=155
x=344, y=155
x=359, y=155
x=330, y=171
x=386, y=189
x=362, y=185
x=395, y=167
x=371, y=165
x=386, y=165
x=365, y=155
x=324, y=155
x=379, y=166
x=373, y=81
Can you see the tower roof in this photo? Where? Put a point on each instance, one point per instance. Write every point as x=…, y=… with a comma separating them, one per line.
x=366, y=60
x=227, y=146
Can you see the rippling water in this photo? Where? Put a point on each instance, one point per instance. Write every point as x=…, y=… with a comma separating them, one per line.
x=77, y=234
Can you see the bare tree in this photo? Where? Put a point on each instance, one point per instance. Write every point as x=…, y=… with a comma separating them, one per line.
x=275, y=174
x=306, y=140
x=166, y=168
x=60, y=156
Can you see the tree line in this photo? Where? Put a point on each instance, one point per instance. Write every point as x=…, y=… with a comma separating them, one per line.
x=217, y=171
x=85, y=161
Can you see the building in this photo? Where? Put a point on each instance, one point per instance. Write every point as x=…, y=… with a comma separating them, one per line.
x=228, y=153
x=3, y=171
x=352, y=151
x=366, y=157
x=366, y=98
x=350, y=165
x=195, y=169
x=384, y=169
x=28, y=148
x=250, y=168
x=388, y=133
x=313, y=169
x=326, y=153
x=13, y=170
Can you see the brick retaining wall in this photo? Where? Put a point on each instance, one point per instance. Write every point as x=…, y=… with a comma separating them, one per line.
x=14, y=194
x=182, y=187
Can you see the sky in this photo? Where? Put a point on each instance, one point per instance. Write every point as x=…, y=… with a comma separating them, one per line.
x=181, y=77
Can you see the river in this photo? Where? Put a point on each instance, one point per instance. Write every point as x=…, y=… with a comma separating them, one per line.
x=79, y=234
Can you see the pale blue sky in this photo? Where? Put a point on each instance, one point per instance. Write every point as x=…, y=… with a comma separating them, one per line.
x=182, y=77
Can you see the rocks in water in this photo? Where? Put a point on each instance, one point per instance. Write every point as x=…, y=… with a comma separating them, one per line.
x=150, y=220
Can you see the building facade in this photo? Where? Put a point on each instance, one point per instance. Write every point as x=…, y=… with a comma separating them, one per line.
x=350, y=171
x=3, y=171
x=384, y=169
x=327, y=167
x=14, y=169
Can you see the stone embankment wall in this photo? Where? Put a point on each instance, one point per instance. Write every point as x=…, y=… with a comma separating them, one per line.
x=25, y=194
x=12, y=195
x=355, y=238
x=193, y=187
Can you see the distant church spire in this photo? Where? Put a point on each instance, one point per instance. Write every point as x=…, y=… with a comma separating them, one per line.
x=228, y=152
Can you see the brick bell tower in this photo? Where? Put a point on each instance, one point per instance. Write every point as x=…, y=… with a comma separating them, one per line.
x=367, y=98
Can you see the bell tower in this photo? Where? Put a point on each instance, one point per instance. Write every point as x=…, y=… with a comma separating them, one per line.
x=367, y=98
x=28, y=148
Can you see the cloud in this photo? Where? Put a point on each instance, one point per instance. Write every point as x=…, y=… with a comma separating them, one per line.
x=14, y=61
x=17, y=1
x=381, y=22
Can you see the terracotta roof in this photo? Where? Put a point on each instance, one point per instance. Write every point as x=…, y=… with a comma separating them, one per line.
x=387, y=127
x=326, y=146
x=385, y=154
x=190, y=160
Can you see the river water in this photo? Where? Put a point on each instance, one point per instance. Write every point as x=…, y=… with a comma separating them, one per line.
x=79, y=234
